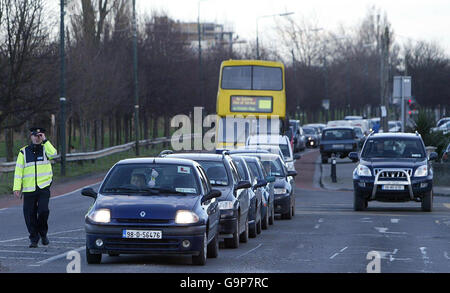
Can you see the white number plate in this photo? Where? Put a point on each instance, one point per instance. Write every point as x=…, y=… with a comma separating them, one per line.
x=338, y=146
x=393, y=187
x=141, y=234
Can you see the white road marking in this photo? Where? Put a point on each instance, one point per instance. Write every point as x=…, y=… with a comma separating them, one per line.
x=49, y=234
x=337, y=253
x=446, y=255
x=17, y=257
x=426, y=259
x=447, y=205
x=259, y=245
x=385, y=231
x=395, y=221
x=316, y=226
x=56, y=257
x=320, y=220
x=21, y=251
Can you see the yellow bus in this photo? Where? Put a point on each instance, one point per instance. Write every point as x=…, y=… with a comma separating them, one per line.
x=251, y=99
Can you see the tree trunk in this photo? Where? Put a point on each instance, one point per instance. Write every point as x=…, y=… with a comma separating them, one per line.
x=145, y=129
x=9, y=144
x=70, y=136
x=111, y=131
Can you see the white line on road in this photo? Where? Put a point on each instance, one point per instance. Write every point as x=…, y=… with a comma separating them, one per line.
x=446, y=255
x=49, y=234
x=20, y=251
x=316, y=226
x=259, y=245
x=395, y=221
x=337, y=253
x=17, y=257
x=426, y=259
x=56, y=257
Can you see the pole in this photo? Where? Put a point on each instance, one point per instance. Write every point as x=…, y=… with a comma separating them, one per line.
x=257, y=40
x=200, y=71
x=62, y=98
x=136, y=84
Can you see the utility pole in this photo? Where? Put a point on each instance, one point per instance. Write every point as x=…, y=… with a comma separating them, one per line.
x=384, y=67
x=136, y=84
x=200, y=69
x=62, y=99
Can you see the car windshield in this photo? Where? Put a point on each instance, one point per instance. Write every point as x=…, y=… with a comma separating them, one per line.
x=148, y=179
x=393, y=148
x=273, y=167
x=309, y=130
x=337, y=134
x=241, y=168
x=216, y=172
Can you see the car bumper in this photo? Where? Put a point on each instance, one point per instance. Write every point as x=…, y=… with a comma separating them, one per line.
x=282, y=203
x=419, y=187
x=171, y=242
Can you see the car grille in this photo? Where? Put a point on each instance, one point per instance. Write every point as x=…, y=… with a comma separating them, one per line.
x=386, y=173
x=145, y=244
x=146, y=221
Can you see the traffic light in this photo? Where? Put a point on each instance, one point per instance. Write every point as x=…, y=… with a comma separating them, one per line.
x=412, y=107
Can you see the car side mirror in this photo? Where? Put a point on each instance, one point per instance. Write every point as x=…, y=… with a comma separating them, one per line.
x=292, y=173
x=353, y=156
x=214, y=193
x=261, y=183
x=297, y=157
x=89, y=192
x=433, y=156
x=243, y=184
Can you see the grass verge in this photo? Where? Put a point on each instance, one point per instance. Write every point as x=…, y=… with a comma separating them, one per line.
x=77, y=169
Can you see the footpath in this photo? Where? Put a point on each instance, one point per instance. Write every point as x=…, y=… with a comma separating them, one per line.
x=344, y=176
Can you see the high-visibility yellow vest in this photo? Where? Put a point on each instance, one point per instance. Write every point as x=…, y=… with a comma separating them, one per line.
x=34, y=168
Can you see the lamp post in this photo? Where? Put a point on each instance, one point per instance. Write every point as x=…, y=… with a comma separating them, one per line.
x=265, y=16
x=136, y=83
x=62, y=98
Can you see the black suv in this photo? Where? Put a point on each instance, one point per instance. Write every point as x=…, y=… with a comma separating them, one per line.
x=393, y=167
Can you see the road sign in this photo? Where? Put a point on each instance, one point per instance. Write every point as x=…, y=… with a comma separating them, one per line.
x=383, y=111
x=402, y=90
x=326, y=104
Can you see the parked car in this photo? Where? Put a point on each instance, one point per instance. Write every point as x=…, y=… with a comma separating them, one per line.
x=312, y=137
x=395, y=126
x=318, y=126
x=153, y=206
x=234, y=203
x=339, y=141
x=256, y=196
x=268, y=209
x=360, y=136
x=276, y=140
x=298, y=135
x=284, y=186
x=446, y=154
x=353, y=118
x=442, y=121
x=393, y=167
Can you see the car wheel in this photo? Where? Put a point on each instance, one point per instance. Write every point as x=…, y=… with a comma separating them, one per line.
x=213, y=247
x=288, y=215
x=272, y=216
x=113, y=254
x=244, y=235
x=200, y=259
x=233, y=242
x=359, y=202
x=265, y=220
x=427, y=201
x=93, y=258
x=324, y=160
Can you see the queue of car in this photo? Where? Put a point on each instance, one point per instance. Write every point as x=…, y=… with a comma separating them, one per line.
x=186, y=203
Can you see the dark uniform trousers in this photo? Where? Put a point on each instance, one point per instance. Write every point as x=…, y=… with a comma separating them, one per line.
x=36, y=212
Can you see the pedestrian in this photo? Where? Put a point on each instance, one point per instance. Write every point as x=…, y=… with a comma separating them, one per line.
x=33, y=177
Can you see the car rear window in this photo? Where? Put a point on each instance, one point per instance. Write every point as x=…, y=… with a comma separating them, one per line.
x=337, y=134
x=216, y=172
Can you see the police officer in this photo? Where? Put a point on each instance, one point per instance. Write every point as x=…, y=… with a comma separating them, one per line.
x=33, y=177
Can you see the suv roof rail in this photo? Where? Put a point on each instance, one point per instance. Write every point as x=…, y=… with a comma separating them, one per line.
x=371, y=133
x=417, y=133
x=165, y=153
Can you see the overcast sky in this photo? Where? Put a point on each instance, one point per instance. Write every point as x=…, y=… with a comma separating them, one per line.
x=416, y=19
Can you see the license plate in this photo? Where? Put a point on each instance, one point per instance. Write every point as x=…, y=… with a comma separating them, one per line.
x=142, y=234
x=393, y=187
x=338, y=146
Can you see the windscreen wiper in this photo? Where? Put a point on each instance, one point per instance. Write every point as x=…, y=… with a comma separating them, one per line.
x=165, y=190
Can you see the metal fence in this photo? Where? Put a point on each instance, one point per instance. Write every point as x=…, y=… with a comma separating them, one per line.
x=73, y=157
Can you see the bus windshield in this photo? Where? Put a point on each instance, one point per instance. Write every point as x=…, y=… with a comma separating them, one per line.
x=252, y=78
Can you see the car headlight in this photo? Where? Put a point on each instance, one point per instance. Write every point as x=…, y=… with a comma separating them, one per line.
x=186, y=217
x=280, y=190
x=422, y=171
x=310, y=138
x=226, y=205
x=100, y=216
x=362, y=170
